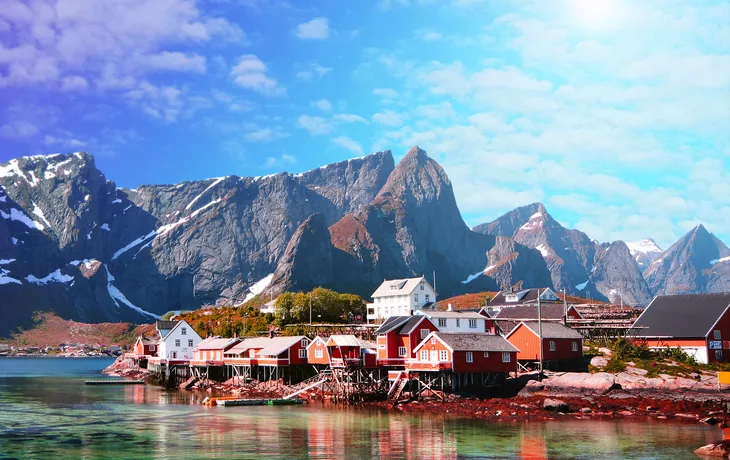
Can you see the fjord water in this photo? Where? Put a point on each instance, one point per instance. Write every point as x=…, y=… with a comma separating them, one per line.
x=47, y=412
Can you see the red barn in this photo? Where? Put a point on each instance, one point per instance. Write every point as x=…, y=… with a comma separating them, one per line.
x=560, y=343
x=461, y=352
x=210, y=351
x=699, y=324
x=145, y=346
x=397, y=336
x=317, y=352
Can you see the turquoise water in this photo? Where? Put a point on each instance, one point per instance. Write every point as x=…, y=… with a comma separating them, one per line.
x=53, y=415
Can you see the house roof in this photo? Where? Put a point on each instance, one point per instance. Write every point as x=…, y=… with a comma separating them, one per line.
x=179, y=324
x=462, y=314
x=523, y=296
x=255, y=343
x=397, y=287
x=348, y=341
x=553, y=330
x=391, y=323
x=165, y=325
x=146, y=340
x=217, y=343
x=315, y=340
x=278, y=345
x=528, y=312
x=687, y=315
x=463, y=341
x=412, y=324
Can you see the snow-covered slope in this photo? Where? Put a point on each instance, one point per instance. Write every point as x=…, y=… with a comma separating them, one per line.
x=644, y=252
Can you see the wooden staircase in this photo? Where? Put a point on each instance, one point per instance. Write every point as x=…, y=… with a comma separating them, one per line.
x=397, y=388
x=310, y=383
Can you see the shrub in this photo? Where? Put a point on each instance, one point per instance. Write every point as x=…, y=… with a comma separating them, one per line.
x=615, y=366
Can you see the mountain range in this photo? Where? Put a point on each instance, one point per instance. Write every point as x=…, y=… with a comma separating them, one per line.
x=74, y=243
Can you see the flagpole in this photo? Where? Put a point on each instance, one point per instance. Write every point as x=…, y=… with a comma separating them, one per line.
x=539, y=333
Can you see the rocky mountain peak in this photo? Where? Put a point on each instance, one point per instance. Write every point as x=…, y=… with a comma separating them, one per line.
x=645, y=252
x=417, y=179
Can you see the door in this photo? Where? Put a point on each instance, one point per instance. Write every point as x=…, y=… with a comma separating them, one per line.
x=435, y=356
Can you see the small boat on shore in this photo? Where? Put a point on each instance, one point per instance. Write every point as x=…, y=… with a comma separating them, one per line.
x=233, y=401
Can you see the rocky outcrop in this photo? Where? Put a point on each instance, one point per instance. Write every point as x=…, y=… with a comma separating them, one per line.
x=617, y=276
x=697, y=263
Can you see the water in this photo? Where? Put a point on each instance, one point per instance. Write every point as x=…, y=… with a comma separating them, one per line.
x=46, y=412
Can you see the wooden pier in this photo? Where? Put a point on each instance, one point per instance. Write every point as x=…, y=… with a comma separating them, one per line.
x=228, y=401
x=115, y=382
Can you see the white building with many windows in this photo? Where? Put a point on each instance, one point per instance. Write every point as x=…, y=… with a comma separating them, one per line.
x=456, y=321
x=178, y=343
x=401, y=298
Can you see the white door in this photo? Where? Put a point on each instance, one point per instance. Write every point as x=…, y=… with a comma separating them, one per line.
x=434, y=356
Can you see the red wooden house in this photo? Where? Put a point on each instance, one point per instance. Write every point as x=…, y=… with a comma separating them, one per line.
x=560, y=343
x=350, y=351
x=460, y=352
x=699, y=324
x=144, y=346
x=266, y=351
x=397, y=337
x=210, y=351
x=509, y=317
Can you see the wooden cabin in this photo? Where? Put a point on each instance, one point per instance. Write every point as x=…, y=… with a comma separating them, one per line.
x=397, y=336
x=317, y=353
x=145, y=346
x=699, y=324
x=210, y=351
x=560, y=343
x=459, y=352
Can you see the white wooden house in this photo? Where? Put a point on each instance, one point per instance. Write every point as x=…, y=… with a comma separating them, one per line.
x=178, y=344
x=400, y=297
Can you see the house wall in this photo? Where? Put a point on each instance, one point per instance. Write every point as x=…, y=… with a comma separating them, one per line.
x=573, y=313
x=389, y=354
x=184, y=351
x=294, y=357
x=400, y=303
x=697, y=348
x=481, y=325
x=415, y=337
x=311, y=354
x=723, y=326
x=456, y=361
x=529, y=345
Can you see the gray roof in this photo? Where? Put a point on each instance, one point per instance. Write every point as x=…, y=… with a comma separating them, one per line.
x=279, y=345
x=453, y=314
x=397, y=287
x=392, y=322
x=412, y=324
x=688, y=315
x=165, y=325
x=348, y=341
x=553, y=330
x=528, y=312
x=523, y=296
x=469, y=341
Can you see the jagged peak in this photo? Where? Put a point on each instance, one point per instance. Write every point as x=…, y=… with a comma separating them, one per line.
x=382, y=153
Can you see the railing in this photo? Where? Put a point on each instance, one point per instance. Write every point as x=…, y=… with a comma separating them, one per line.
x=428, y=365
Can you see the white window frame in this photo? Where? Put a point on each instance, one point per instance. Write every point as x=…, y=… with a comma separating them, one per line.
x=551, y=345
x=458, y=322
x=575, y=346
x=717, y=335
x=469, y=357
x=152, y=348
x=401, y=352
x=424, y=333
x=443, y=355
x=718, y=355
x=422, y=286
x=427, y=298
x=442, y=322
x=424, y=355
x=184, y=331
x=381, y=346
x=472, y=324
x=302, y=353
x=415, y=297
x=304, y=343
x=486, y=354
x=433, y=340
x=318, y=353
x=174, y=355
x=506, y=357
x=190, y=343
x=177, y=342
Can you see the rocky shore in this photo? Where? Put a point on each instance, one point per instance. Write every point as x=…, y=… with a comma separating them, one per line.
x=120, y=369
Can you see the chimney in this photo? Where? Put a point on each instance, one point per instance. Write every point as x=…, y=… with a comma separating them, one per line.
x=271, y=333
x=451, y=308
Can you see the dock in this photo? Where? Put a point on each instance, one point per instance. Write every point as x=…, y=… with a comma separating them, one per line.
x=115, y=382
x=228, y=401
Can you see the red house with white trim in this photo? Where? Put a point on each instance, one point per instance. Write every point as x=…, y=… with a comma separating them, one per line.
x=144, y=346
x=699, y=324
x=460, y=352
x=210, y=351
x=560, y=343
x=397, y=337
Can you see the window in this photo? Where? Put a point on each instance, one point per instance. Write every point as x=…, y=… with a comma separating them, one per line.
x=472, y=324
x=190, y=342
x=177, y=342
x=433, y=340
x=575, y=346
x=318, y=353
x=401, y=351
x=152, y=348
x=424, y=355
x=442, y=322
x=506, y=357
x=428, y=297
x=304, y=343
x=381, y=347
x=717, y=335
x=184, y=331
x=422, y=286
x=424, y=333
x=174, y=355
x=552, y=345
x=458, y=321
x=415, y=297
x=486, y=354
x=443, y=355
x=718, y=355
x=469, y=357
x=302, y=353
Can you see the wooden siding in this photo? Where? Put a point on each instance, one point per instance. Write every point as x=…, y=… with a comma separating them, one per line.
x=723, y=325
x=529, y=345
x=456, y=361
x=311, y=354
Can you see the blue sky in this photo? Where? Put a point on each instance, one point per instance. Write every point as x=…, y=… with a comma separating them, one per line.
x=614, y=113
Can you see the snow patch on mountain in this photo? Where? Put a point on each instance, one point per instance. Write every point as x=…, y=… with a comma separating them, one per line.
x=258, y=287
x=645, y=246
x=543, y=250
x=476, y=275
x=117, y=296
x=217, y=181
x=19, y=216
x=5, y=279
x=582, y=286
x=53, y=277
x=717, y=261
x=39, y=212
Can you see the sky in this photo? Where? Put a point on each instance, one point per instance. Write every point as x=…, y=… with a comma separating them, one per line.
x=613, y=113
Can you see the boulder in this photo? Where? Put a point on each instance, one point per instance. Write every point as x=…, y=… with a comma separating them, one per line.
x=599, y=361
x=600, y=383
x=718, y=449
x=555, y=405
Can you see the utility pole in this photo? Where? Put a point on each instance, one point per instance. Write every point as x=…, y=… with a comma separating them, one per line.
x=310, y=308
x=434, y=285
x=565, y=307
x=539, y=333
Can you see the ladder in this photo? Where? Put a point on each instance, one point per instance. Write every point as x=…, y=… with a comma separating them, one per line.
x=397, y=388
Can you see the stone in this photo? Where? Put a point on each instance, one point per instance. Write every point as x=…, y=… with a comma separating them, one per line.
x=599, y=361
x=586, y=410
x=719, y=449
x=555, y=405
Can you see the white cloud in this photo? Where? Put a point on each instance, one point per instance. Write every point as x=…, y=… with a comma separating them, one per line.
x=349, y=118
x=250, y=73
x=282, y=160
x=258, y=134
x=314, y=125
x=18, y=129
x=388, y=118
x=312, y=70
x=316, y=29
x=385, y=93
x=347, y=143
x=174, y=61
x=322, y=104
x=74, y=83
x=437, y=111
x=428, y=35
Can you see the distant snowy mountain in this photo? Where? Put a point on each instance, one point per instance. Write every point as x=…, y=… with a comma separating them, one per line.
x=644, y=252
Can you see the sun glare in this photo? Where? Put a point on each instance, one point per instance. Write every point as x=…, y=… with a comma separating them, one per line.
x=596, y=14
